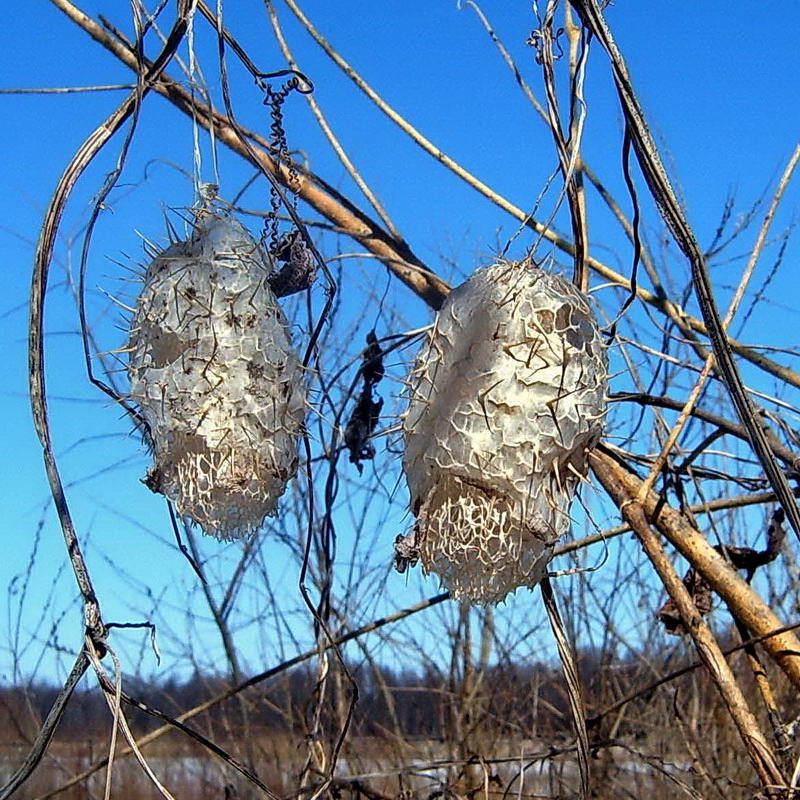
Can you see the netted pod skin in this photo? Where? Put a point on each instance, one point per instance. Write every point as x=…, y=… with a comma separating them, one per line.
x=216, y=380
x=507, y=395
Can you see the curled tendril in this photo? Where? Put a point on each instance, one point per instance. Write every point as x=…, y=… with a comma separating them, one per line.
x=298, y=82
x=537, y=40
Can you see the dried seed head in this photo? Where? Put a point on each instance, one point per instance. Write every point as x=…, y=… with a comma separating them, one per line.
x=507, y=395
x=214, y=375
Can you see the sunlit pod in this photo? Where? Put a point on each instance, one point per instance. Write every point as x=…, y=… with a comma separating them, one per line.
x=216, y=380
x=507, y=395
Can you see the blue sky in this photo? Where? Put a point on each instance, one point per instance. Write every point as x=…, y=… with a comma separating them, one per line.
x=716, y=80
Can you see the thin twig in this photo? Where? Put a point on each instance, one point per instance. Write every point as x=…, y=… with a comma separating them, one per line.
x=70, y=89
x=678, y=673
x=694, y=395
x=48, y=729
x=573, y=680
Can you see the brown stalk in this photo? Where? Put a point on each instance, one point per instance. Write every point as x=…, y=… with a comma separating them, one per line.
x=572, y=679
x=405, y=266
x=759, y=751
x=568, y=149
x=743, y=602
x=576, y=71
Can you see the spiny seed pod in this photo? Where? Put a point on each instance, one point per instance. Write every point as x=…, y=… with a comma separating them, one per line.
x=507, y=395
x=214, y=376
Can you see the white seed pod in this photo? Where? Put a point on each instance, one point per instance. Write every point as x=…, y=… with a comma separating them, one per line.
x=507, y=394
x=214, y=376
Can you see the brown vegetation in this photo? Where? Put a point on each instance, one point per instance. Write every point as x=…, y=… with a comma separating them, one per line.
x=441, y=700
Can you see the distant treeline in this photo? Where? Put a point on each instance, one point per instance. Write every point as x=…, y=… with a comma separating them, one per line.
x=509, y=699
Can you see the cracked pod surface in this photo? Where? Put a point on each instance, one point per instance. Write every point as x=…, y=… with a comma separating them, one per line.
x=506, y=396
x=214, y=376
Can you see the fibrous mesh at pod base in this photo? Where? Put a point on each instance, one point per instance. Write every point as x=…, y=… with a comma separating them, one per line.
x=507, y=395
x=216, y=380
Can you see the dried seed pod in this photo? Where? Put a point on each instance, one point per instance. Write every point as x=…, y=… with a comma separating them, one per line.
x=214, y=376
x=507, y=395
